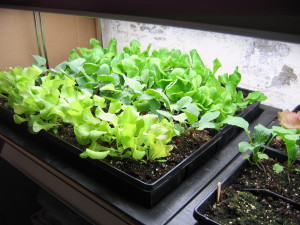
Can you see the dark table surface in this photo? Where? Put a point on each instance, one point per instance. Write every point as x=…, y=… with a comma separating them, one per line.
x=176, y=208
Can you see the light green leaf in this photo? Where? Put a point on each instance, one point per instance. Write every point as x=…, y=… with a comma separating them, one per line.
x=82, y=133
x=158, y=93
x=197, y=63
x=112, y=46
x=159, y=150
x=104, y=69
x=40, y=60
x=128, y=116
x=247, y=157
x=283, y=131
x=84, y=155
x=192, y=113
x=202, y=125
x=262, y=156
x=256, y=96
x=37, y=124
x=193, y=109
x=95, y=134
x=76, y=65
x=138, y=154
x=109, y=117
x=216, y=65
x=245, y=146
x=73, y=55
x=209, y=116
x=18, y=119
x=237, y=121
x=165, y=114
x=95, y=43
x=177, y=72
x=99, y=101
x=134, y=84
x=181, y=118
x=88, y=117
x=183, y=102
x=110, y=87
x=278, y=168
x=205, y=121
x=115, y=107
x=96, y=155
x=90, y=68
x=129, y=67
x=231, y=88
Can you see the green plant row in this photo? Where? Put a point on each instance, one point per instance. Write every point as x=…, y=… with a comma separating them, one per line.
x=128, y=104
x=120, y=131
x=108, y=127
x=162, y=82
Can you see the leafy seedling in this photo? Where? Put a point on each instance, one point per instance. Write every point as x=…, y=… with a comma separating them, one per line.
x=256, y=144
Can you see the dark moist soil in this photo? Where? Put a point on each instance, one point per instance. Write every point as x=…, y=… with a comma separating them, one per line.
x=241, y=207
x=278, y=144
x=3, y=102
x=240, y=111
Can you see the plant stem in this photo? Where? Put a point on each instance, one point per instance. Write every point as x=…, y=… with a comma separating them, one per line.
x=261, y=166
x=267, y=145
x=288, y=175
x=249, y=136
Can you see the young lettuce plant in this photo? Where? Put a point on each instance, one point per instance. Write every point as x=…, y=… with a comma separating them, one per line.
x=33, y=103
x=17, y=80
x=188, y=122
x=137, y=136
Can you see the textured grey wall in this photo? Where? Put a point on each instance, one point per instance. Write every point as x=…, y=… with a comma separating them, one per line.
x=272, y=67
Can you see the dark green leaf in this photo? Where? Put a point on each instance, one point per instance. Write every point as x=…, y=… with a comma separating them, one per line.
x=261, y=134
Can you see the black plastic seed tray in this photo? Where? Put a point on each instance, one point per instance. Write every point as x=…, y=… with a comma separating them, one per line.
x=146, y=194
x=297, y=108
x=210, y=199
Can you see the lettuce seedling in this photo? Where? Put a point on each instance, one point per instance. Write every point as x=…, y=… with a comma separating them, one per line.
x=31, y=102
x=134, y=135
x=18, y=79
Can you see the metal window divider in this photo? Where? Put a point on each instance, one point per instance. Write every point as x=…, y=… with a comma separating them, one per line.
x=39, y=31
